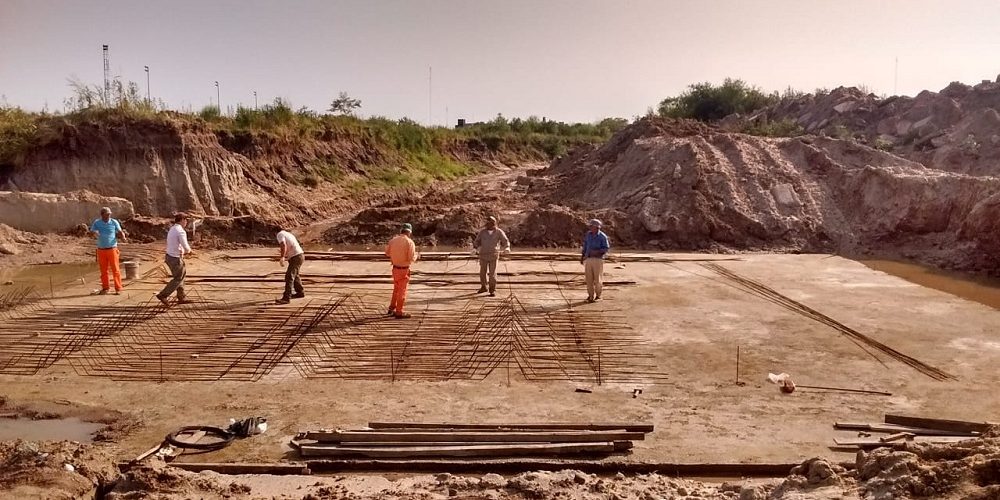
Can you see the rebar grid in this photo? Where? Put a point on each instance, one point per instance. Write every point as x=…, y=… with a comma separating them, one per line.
x=218, y=341
x=473, y=342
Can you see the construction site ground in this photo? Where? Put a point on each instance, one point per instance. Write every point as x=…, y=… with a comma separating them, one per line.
x=690, y=322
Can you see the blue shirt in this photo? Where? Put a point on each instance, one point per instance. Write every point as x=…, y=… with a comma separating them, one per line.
x=107, y=232
x=598, y=241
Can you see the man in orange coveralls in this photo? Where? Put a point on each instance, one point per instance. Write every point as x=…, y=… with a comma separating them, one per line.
x=403, y=253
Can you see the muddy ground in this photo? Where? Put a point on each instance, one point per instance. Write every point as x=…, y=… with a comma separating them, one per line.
x=689, y=320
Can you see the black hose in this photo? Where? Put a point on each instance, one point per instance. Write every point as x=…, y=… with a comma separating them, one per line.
x=226, y=436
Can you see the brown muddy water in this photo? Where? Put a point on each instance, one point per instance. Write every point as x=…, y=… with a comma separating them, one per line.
x=57, y=429
x=975, y=288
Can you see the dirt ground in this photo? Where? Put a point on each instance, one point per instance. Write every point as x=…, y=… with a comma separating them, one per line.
x=689, y=319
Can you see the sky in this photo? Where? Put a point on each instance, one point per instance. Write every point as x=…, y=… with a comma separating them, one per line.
x=438, y=60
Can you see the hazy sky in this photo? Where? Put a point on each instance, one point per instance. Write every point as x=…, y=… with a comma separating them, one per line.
x=576, y=60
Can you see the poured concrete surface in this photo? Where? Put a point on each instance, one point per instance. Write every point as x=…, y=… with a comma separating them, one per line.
x=692, y=320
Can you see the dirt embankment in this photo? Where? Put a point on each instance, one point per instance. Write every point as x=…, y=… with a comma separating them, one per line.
x=171, y=164
x=956, y=129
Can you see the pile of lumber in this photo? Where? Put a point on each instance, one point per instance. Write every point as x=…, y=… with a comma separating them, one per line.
x=898, y=430
x=388, y=440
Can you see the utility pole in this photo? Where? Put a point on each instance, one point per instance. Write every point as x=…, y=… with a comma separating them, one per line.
x=148, y=100
x=255, y=100
x=218, y=97
x=107, y=76
x=430, y=86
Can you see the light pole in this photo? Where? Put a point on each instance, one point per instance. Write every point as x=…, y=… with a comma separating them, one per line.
x=148, y=100
x=218, y=97
x=255, y=100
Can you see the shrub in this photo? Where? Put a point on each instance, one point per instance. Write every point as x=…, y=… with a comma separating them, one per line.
x=707, y=102
x=778, y=128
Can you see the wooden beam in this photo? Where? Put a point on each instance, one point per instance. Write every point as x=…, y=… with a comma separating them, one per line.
x=869, y=443
x=246, y=468
x=493, y=450
x=938, y=424
x=447, y=436
x=630, y=427
x=893, y=428
x=526, y=464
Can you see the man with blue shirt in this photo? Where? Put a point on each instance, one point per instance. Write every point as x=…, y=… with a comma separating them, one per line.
x=107, y=231
x=595, y=247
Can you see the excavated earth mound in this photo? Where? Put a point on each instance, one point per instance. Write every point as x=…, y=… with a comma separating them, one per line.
x=956, y=129
x=681, y=185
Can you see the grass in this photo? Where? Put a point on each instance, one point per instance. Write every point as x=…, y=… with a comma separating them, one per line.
x=410, y=153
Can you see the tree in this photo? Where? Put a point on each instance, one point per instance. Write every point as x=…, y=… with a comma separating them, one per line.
x=344, y=104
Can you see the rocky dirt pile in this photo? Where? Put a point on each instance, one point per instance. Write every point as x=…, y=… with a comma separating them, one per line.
x=968, y=470
x=956, y=129
x=63, y=469
x=13, y=242
x=717, y=190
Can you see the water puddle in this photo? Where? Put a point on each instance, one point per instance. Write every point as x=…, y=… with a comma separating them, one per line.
x=49, y=278
x=975, y=288
x=57, y=429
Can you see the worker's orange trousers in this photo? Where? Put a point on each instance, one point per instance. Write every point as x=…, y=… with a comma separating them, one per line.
x=107, y=259
x=400, y=280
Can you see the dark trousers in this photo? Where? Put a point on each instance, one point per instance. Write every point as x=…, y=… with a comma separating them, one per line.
x=292, y=278
x=178, y=272
x=488, y=271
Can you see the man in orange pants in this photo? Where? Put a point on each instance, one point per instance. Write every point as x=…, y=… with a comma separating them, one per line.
x=107, y=231
x=403, y=253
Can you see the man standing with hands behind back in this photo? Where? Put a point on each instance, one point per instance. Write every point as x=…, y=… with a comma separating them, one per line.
x=403, y=253
x=490, y=243
x=595, y=247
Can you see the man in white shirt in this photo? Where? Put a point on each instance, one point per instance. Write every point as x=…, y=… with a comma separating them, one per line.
x=177, y=248
x=292, y=252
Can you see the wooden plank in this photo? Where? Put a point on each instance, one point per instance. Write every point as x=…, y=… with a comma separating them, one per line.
x=937, y=423
x=246, y=468
x=142, y=456
x=876, y=443
x=495, y=450
x=584, y=426
x=892, y=429
x=474, y=436
x=530, y=464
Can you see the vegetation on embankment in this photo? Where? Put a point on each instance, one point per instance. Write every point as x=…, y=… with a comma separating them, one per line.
x=418, y=154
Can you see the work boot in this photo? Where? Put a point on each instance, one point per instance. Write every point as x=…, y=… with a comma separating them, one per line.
x=482, y=290
x=597, y=298
x=493, y=294
x=283, y=300
x=163, y=301
x=104, y=291
x=402, y=315
x=392, y=312
x=299, y=295
x=590, y=300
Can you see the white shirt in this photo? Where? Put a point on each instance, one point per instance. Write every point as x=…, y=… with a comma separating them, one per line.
x=177, y=241
x=292, y=247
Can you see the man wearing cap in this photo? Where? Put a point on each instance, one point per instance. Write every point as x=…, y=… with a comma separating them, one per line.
x=489, y=244
x=107, y=231
x=292, y=252
x=403, y=253
x=595, y=247
x=177, y=249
